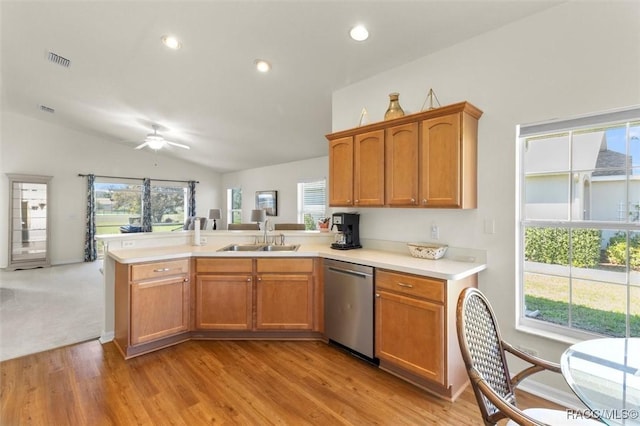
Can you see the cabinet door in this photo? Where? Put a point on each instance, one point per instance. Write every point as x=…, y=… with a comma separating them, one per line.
x=410, y=334
x=285, y=302
x=401, y=165
x=440, y=162
x=368, y=182
x=341, y=172
x=224, y=302
x=159, y=308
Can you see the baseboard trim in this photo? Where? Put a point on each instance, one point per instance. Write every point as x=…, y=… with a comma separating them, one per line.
x=107, y=337
x=552, y=394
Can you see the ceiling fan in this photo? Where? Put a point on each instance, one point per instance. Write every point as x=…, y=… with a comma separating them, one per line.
x=156, y=141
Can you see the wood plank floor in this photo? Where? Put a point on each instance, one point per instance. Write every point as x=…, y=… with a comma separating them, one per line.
x=218, y=382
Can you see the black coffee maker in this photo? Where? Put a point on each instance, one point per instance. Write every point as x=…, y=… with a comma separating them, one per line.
x=348, y=236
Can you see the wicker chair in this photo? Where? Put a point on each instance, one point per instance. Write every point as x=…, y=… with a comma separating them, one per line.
x=484, y=354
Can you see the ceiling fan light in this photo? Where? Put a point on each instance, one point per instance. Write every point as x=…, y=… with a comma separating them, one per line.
x=262, y=65
x=359, y=33
x=155, y=142
x=171, y=42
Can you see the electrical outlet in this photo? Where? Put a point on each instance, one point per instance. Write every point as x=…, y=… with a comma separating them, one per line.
x=128, y=244
x=203, y=240
x=435, y=232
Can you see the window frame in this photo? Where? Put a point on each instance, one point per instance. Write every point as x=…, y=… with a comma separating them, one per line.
x=630, y=117
x=302, y=211
x=231, y=212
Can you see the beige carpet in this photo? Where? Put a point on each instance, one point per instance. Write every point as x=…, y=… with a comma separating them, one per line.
x=46, y=308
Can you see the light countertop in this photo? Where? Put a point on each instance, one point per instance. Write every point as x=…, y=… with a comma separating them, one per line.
x=447, y=268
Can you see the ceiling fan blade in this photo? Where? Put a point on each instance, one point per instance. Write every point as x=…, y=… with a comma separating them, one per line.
x=179, y=145
x=142, y=145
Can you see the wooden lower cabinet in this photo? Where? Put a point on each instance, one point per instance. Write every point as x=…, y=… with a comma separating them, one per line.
x=284, y=294
x=159, y=308
x=224, y=294
x=152, y=308
x=416, y=333
x=256, y=295
x=284, y=302
x=398, y=318
x=224, y=302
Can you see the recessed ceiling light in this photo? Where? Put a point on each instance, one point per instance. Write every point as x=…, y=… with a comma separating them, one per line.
x=359, y=33
x=262, y=65
x=171, y=42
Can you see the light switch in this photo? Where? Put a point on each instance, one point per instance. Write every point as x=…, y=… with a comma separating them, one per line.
x=489, y=226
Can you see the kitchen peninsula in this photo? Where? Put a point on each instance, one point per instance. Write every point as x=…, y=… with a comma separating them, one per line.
x=160, y=292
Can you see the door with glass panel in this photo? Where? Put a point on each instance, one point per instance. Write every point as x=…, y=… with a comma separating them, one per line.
x=28, y=221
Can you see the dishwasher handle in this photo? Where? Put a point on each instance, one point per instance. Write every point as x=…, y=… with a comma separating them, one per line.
x=350, y=272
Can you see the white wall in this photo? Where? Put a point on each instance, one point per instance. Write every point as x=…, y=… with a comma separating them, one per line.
x=282, y=178
x=37, y=147
x=576, y=58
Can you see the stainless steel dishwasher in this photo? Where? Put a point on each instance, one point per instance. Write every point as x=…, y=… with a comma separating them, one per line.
x=348, y=306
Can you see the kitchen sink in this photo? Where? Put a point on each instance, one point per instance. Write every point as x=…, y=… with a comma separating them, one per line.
x=291, y=247
x=260, y=247
x=242, y=247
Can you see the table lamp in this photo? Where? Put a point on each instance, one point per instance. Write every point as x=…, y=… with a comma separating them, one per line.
x=258, y=215
x=214, y=214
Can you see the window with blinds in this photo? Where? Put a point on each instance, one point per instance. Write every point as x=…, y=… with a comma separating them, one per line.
x=312, y=202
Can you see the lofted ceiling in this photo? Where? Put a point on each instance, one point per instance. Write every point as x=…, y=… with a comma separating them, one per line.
x=208, y=94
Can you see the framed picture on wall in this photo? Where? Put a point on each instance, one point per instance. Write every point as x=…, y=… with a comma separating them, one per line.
x=267, y=200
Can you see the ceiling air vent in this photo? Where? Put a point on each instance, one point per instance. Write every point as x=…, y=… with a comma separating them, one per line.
x=47, y=109
x=60, y=60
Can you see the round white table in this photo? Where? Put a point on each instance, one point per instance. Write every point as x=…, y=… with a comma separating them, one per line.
x=605, y=375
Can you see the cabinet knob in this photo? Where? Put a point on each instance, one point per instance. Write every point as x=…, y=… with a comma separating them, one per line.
x=248, y=280
x=424, y=201
x=357, y=201
x=186, y=280
x=377, y=294
x=413, y=201
x=348, y=201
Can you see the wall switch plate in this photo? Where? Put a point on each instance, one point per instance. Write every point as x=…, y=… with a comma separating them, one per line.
x=435, y=232
x=128, y=244
x=489, y=226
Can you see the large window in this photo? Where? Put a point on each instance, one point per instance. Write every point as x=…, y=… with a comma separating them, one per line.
x=168, y=206
x=119, y=205
x=312, y=202
x=234, y=205
x=579, y=234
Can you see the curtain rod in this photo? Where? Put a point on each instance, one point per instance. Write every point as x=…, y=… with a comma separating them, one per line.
x=136, y=178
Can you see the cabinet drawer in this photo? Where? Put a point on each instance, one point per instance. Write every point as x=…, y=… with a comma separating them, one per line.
x=237, y=265
x=167, y=268
x=281, y=265
x=427, y=288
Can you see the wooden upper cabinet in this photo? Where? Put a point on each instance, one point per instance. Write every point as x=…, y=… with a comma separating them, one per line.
x=448, y=157
x=426, y=159
x=401, y=165
x=341, y=172
x=368, y=183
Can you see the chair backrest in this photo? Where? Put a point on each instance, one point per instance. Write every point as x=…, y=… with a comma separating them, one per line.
x=288, y=227
x=243, y=227
x=482, y=350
